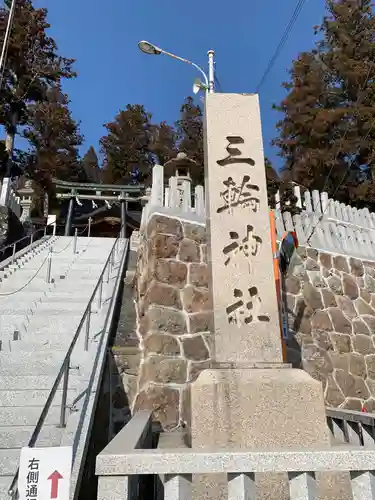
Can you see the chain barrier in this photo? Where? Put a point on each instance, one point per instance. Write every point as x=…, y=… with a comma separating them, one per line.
x=83, y=230
x=28, y=283
x=63, y=250
x=42, y=264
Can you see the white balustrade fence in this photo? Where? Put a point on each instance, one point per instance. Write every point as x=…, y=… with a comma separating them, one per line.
x=323, y=224
x=176, y=199
x=328, y=225
x=9, y=198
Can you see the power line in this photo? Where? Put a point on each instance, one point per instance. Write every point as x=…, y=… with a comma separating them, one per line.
x=282, y=43
x=218, y=84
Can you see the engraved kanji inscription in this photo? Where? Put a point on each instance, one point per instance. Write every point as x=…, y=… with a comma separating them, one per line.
x=235, y=154
x=239, y=195
x=248, y=246
x=243, y=312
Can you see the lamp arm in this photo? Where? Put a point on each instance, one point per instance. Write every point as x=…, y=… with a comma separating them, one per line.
x=187, y=62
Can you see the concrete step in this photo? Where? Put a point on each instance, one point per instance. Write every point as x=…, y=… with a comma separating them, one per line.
x=42, y=307
x=37, y=363
x=26, y=270
x=5, y=482
x=24, y=295
x=45, y=309
x=32, y=397
x=47, y=338
x=41, y=319
x=9, y=460
x=54, y=324
x=40, y=344
x=66, y=297
x=17, y=416
x=31, y=280
x=34, y=382
x=19, y=436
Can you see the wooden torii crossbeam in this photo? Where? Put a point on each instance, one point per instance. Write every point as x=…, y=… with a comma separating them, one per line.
x=103, y=192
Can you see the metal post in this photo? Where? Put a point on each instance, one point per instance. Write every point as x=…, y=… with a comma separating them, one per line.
x=113, y=258
x=69, y=218
x=87, y=334
x=64, y=394
x=31, y=238
x=123, y=218
x=211, y=71
x=75, y=241
x=49, y=265
x=108, y=272
x=14, y=253
x=45, y=230
x=100, y=293
x=89, y=229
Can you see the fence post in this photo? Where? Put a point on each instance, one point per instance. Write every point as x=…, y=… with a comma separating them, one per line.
x=75, y=241
x=100, y=292
x=87, y=329
x=14, y=252
x=49, y=265
x=64, y=394
x=89, y=229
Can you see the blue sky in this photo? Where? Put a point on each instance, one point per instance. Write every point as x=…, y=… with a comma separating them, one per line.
x=112, y=72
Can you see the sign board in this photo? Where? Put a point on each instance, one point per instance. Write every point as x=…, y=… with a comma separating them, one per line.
x=45, y=473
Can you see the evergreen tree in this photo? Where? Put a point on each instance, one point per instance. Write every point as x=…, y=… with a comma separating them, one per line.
x=54, y=139
x=330, y=108
x=189, y=130
x=163, y=144
x=32, y=65
x=127, y=147
x=91, y=167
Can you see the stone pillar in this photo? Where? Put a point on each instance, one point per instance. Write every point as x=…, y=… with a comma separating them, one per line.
x=68, y=223
x=26, y=202
x=249, y=398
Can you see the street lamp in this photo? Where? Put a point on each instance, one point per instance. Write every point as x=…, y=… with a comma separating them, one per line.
x=151, y=49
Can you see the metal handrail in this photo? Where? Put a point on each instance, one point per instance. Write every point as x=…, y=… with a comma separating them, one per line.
x=65, y=366
x=31, y=236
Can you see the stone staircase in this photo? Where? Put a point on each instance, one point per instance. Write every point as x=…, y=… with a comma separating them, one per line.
x=37, y=325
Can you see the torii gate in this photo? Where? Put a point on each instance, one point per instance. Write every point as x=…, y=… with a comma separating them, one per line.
x=103, y=192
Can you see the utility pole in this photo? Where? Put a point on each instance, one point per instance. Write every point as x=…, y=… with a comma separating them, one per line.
x=4, y=49
x=211, y=71
x=9, y=142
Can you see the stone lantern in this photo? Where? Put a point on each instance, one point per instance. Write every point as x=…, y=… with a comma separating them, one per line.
x=178, y=175
x=181, y=167
x=26, y=201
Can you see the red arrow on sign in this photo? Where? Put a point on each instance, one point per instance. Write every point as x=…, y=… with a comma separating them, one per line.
x=54, y=477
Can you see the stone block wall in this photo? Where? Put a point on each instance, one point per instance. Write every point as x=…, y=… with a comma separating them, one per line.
x=331, y=315
x=331, y=309
x=174, y=316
